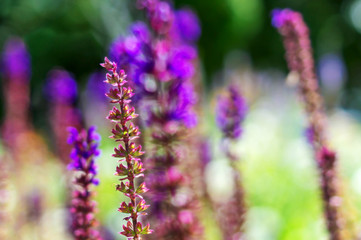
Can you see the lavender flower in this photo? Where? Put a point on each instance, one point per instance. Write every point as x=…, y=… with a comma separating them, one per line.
x=61, y=90
x=125, y=131
x=16, y=74
x=231, y=111
x=85, y=150
x=295, y=33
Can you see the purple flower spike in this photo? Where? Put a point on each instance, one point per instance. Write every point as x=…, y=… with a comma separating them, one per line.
x=231, y=111
x=61, y=87
x=130, y=165
x=15, y=68
x=299, y=57
x=16, y=60
x=85, y=150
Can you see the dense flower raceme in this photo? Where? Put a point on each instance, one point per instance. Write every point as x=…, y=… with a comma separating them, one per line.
x=127, y=152
x=84, y=152
x=230, y=113
x=61, y=90
x=295, y=34
x=16, y=74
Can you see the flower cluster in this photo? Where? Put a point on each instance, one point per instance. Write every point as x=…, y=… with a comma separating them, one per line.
x=231, y=111
x=295, y=34
x=85, y=150
x=162, y=61
x=61, y=90
x=126, y=132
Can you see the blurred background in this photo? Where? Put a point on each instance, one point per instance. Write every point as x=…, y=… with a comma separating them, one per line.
x=238, y=43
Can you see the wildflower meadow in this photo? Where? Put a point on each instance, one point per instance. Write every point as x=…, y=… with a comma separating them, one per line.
x=180, y=120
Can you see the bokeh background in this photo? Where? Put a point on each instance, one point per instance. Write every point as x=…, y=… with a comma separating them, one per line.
x=238, y=43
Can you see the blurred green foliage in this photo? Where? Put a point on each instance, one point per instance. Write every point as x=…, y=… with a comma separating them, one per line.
x=76, y=34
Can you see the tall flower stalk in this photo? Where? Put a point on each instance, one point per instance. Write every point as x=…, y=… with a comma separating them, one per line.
x=61, y=90
x=230, y=113
x=16, y=75
x=85, y=150
x=160, y=62
x=131, y=166
x=296, y=40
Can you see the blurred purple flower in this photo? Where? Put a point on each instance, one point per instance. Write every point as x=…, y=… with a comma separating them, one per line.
x=15, y=67
x=310, y=135
x=280, y=16
x=34, y=205
x=180, y=62
x=230, y=113
x=160, y=16
x=187, y=25
x=332, y=71
x=141, y=31
x=61, y=91
x=61, y=87
x=16, y=60
x=205, y=153
x=181, y=107
x=134, y=54
x=96, y=88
